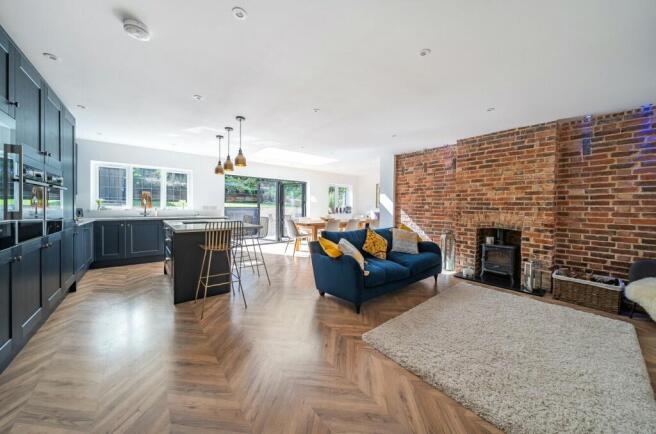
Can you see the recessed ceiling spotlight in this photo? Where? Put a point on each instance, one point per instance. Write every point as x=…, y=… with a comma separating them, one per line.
x=393, y=135
x=490, y=109
x=197, y=97
x=239, y=13
x=136, y=29
x=425, y=52
x=316, y=110
x=80, y=106
x=99, y=133
x=51, y=56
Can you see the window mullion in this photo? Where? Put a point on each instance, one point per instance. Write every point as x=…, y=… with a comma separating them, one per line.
x=162, y=187
x=129, y=187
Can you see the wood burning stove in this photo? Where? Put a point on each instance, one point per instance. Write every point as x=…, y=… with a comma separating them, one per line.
x=499, y=259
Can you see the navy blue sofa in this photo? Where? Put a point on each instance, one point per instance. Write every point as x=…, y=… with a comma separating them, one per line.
x=343, y=278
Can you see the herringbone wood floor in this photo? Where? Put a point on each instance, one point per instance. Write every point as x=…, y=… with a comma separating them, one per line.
x=118, y=356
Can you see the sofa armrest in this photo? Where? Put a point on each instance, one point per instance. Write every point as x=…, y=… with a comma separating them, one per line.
x=341, y=276
x=429, y=246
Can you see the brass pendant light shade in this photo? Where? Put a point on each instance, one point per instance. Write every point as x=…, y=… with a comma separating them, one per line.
x=228, y=166
x=218, y=170
x=240, y=159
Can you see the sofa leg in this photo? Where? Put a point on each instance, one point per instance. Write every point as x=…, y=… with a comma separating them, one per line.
x=357, y=308
x=632, y=309
x=321, y=293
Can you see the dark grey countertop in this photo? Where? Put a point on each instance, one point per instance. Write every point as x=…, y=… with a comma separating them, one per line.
x=86, y=220
x=182, y=225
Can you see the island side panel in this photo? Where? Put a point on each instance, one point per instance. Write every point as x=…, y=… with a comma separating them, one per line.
x=187, y=257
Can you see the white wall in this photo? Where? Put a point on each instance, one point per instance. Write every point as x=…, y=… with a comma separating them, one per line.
x=387, y=175
x=207, y=188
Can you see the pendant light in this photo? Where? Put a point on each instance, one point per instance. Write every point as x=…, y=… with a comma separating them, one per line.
x=218, y=170
x=240, y=160
x=228, y=166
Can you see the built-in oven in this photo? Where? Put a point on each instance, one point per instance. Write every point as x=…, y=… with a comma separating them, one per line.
x=54, y=200
x=11, y=170
x=12, y=178
x=7, y=234
x=34, y=192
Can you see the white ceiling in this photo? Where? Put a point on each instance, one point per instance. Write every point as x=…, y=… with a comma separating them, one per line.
x=357, y=61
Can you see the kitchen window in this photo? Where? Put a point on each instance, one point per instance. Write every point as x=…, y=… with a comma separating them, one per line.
x=120, y=186
x=340, y=199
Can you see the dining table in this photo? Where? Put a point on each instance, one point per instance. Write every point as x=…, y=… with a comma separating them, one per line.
x=314, y=225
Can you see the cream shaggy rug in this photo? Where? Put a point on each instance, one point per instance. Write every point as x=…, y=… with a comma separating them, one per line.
x=525, y=365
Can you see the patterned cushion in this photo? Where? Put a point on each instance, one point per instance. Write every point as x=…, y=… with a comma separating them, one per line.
x=330, y=248
x=350, y=250
x=375, y=245
x=404, y=241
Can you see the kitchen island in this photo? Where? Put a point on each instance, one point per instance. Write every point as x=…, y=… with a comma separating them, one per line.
x=184, y=257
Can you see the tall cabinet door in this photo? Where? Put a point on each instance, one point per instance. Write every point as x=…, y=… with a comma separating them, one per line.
x=7, y=55
x=52, y=125
x=28, y=89
x=67, y=159
x=6, y=329
x=67, y=258
x=51, y=272
x=26, y=289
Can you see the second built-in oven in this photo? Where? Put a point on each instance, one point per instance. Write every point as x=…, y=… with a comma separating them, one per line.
x=54, y=201
x=34, y=191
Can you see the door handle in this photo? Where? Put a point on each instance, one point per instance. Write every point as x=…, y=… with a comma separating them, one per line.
x=17, y=258
x=14, y=103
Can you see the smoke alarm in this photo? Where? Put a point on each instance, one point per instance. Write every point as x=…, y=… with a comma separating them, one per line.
x=239, y=13
x=136, y=29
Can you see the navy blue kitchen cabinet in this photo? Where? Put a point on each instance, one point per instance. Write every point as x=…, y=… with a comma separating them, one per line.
x=51, y=271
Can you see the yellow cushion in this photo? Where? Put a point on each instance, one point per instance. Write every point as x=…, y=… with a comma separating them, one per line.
x=375, y=245
x=330, y=248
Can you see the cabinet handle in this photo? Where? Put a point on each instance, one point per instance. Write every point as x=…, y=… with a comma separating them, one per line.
x=14, y=103
x=17, y=258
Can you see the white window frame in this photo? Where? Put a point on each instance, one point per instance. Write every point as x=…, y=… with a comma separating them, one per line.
x=349, y=194
x=95, y=166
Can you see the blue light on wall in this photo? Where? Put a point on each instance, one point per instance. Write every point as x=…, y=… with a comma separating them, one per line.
x=586, y=141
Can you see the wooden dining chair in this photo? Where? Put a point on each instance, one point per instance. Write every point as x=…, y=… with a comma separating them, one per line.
x=294, y=234
x=352, y=225
x=222, y=238
x=332, y=225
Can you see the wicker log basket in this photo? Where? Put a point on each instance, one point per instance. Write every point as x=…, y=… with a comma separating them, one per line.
x=588, y=292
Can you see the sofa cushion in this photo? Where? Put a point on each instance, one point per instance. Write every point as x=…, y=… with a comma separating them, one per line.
x=404, y=241
x=392, y=271
x=354, y=237
x=349, y=249
x=416, y=263
x=387, y=234
x=331, y=249
x=376, y=275
x=375, y=245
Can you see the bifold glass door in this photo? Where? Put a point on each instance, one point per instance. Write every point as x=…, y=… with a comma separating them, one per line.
x=249, y=198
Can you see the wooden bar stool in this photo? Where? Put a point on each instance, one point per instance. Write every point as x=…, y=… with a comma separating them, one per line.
x=221, y=237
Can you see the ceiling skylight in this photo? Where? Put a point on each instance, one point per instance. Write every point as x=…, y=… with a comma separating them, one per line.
x=284, y=157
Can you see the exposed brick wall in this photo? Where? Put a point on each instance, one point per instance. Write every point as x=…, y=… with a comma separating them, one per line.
x=606, y=200
x=595, y=211
x=424, y=190
x=507, y=180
